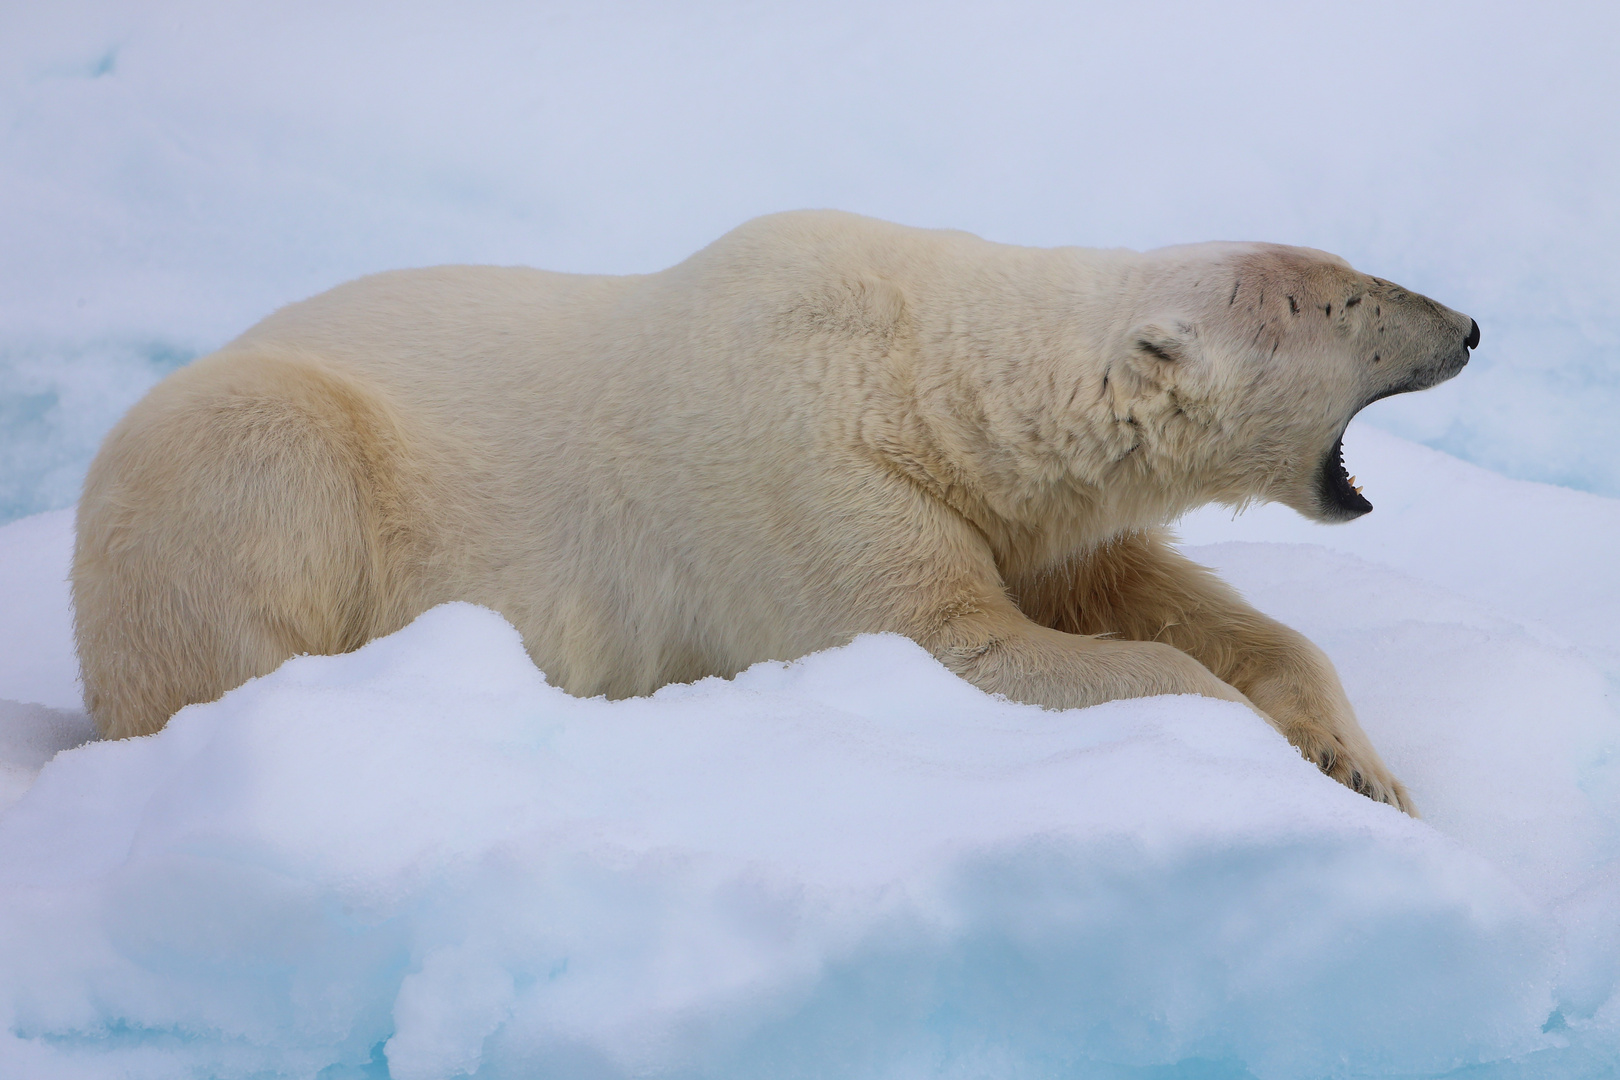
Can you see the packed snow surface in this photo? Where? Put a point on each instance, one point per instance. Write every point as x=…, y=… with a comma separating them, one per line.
x=420, y=860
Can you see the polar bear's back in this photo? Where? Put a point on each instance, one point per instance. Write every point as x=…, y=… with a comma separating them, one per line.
x=470, y=342
x=734, y=314
x=598, y=451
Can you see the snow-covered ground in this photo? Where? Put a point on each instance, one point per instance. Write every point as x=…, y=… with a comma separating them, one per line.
x=421, y=857
x=418, y=860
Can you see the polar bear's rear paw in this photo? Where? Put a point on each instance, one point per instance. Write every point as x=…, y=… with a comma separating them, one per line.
x=1362, y=773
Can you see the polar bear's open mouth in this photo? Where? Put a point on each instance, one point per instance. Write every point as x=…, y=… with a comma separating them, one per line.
x=1337, y=490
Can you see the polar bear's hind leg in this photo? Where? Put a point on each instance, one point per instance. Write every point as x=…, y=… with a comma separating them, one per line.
x=242, y=514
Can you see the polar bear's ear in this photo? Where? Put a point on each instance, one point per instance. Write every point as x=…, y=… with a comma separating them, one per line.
x=1158, y=348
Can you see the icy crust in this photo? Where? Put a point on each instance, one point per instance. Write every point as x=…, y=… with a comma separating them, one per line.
x=422, y=855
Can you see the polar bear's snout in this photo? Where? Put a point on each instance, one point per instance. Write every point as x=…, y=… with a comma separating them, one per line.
x=1470, y=343
x=1449, y=358
x=1457, y=358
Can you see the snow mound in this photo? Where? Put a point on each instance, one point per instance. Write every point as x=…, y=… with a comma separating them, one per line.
x=421, y=854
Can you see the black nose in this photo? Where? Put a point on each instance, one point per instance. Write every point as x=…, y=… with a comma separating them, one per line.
x=1472, y=341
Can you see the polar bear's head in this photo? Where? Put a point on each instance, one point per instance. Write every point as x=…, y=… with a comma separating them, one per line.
x=1272, y=350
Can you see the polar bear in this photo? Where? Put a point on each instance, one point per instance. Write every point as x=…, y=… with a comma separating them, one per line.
x=821, y=425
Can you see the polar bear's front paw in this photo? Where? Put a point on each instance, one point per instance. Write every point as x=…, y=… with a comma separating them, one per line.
x=1361, y=772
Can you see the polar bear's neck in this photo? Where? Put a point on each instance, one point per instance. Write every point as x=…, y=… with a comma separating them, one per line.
x=1016, y=386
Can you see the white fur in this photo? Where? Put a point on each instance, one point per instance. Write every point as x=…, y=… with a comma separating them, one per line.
x=818, y=426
